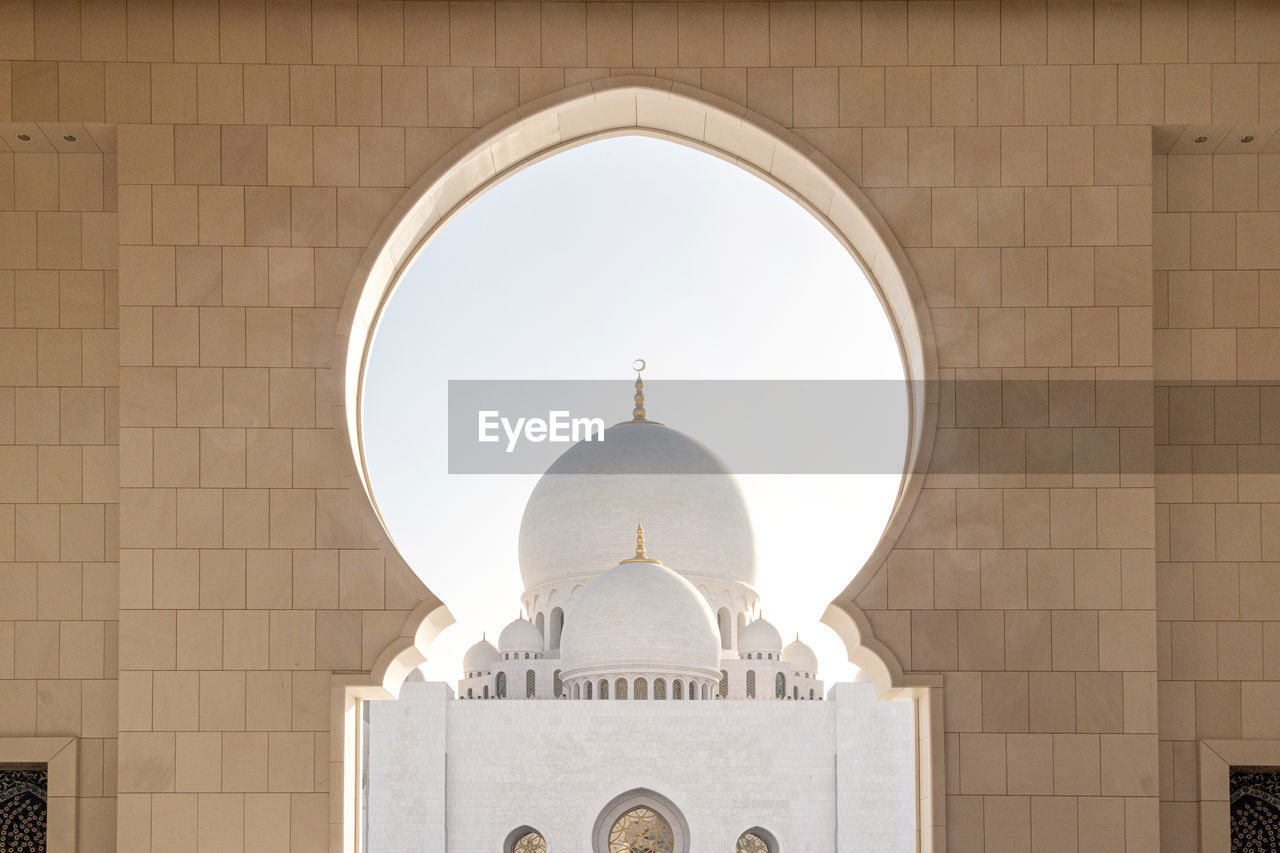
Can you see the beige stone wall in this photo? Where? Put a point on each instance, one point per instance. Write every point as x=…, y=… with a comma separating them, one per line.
x=1008, y=145
x=1217, y=349
x=59, y=431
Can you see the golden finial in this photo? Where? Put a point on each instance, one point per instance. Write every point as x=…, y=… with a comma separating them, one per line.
x=640, y=556
x=638, y=414
x=638, y=366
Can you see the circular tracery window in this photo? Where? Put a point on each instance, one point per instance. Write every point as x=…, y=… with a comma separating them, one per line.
x=641, y=830
x=752, y=843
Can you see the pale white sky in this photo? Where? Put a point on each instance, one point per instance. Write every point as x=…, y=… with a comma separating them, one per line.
x=621, y=249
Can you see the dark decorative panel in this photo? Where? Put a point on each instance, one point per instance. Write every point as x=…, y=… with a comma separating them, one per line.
x=1255, y=809
x=24, y=813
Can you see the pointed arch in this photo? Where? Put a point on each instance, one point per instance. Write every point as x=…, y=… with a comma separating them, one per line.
x=683, y=114
x=557, y=628
x=572, y=116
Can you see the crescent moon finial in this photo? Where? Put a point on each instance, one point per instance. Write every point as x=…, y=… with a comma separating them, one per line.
x=638, y=366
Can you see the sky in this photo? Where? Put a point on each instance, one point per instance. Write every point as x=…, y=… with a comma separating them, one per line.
x=623, y=248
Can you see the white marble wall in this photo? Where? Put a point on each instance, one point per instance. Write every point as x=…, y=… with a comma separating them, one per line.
x=874, y=753
x=789, y=767
x=406, y=768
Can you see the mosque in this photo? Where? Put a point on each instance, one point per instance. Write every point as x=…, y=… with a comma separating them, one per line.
x=682, y=722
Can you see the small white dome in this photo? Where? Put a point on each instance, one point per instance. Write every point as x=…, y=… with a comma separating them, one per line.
x=759, y=636
x=640, y=617
x=480, y=657
x=800, y=656
x=520, y=636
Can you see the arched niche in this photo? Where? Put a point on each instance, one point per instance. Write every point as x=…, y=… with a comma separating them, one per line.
x=686, y=115
x=682, y=114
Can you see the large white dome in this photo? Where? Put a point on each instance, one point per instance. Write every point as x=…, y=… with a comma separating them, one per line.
x=640, y=617
x=689, y=502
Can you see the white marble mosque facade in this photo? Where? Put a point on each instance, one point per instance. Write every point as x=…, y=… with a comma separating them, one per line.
x=819, y=776
x=644, y=683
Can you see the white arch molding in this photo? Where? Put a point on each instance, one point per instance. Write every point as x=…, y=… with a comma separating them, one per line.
x=673, y=111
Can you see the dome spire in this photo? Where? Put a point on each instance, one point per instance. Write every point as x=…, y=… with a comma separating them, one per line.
x=638, y=415
x=640, y=556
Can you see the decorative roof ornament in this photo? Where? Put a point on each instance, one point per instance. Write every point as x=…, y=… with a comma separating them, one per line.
x=638, y=414
x=640, y=556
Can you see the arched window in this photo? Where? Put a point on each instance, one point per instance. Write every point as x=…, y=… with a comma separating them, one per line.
x=706, y=691
x=604, y=689
x=486, y=691
x=795, y=692
x=469, y=696
x=810, y=692
x=640, y=821
x=540, y=622
x=693, y=690
x=641, y=830
x=756, y=841
x=677, y=689
x=742, y=623
x=779, y=686
x=724, y=683
x=588, y=690
x=526, y=655
x=530, y=684
x=557, y=685
x=751, y=684
x=726, y=628
x=659, y=688
x=642, y=689
x=557, y=627
x=577, y=691
x=620, y=688
x=528, y=842
x=502, y=685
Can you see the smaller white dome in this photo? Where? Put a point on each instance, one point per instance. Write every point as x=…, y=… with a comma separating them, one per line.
x=480, y=657
x=759, y=636
x=640, y=616
x=520, y=636
x=800, y=656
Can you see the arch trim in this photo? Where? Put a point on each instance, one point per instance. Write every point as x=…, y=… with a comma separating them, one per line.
x=647, y=106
